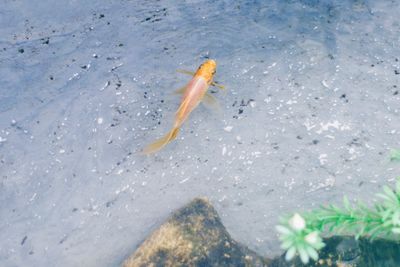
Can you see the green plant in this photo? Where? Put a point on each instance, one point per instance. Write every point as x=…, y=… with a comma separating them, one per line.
x=299, y=238
x=301, y=234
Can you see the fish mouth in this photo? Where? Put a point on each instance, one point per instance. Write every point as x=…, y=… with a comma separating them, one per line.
x=212, y=62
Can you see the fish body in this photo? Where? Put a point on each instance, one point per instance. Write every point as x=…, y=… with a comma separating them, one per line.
x=193, y=94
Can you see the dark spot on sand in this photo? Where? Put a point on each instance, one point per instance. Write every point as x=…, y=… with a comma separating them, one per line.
x=24, y=240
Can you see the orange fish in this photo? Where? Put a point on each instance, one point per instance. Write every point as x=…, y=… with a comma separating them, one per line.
x=193, y=93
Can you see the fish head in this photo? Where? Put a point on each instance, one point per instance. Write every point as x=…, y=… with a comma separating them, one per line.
x=207, y=70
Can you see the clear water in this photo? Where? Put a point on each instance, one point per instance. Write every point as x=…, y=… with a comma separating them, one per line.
x=311, y=113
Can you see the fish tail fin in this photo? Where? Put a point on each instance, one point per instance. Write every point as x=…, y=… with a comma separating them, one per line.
x=160, y=143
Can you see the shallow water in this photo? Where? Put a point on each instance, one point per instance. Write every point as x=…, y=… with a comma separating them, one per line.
x=311, y=113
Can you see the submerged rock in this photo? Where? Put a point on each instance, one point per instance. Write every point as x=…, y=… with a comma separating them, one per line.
x=193, y=236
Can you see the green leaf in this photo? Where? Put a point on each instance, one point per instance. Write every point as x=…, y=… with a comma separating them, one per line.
x=312, y=253
x=396, y=218
x=290, y=253
x=383, y=196
x=283, y=230
x=303, y=255
x=287, y=244
x=319, y=245
x=374, y=230
x=360, y=232
x=395, y=155
x=398, y=186
x=386, y=214
x=346, y=203
x=389, y=192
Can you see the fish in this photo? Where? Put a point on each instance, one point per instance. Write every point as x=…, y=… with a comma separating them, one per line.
x=192, y=94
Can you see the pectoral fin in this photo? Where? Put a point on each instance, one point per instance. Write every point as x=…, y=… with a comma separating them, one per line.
x=210, y=101
x=191, y=73
x=180, y=91
x=220, y=86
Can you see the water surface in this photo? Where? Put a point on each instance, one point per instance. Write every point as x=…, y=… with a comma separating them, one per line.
x=311, y=113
